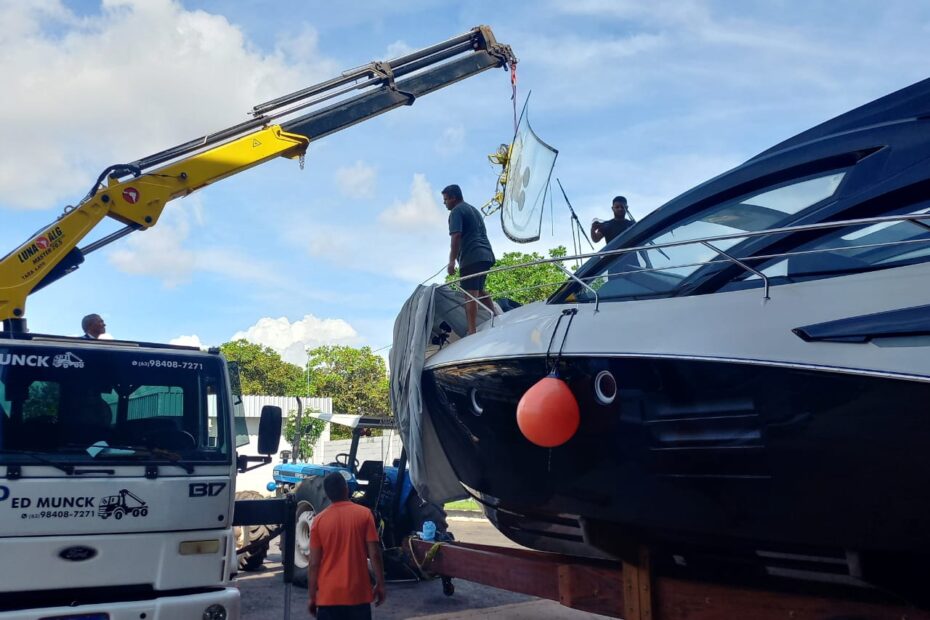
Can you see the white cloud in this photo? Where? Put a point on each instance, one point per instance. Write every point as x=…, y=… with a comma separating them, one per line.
x=159, y=252
x=397, y=49
x=120, y=84
x=452, y=141
x=409, y=240
x=167, y=253
x=420, y=210
x=291, y=340
x=357, y=180
x=188, y=341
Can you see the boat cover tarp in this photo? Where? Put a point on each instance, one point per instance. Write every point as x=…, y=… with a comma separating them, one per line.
x=430, y=470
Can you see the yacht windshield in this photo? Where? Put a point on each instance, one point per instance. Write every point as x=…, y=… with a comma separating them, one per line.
x=82, y=406
x=658, y=271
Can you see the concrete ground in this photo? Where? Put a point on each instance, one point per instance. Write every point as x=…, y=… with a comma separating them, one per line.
x=263, y=592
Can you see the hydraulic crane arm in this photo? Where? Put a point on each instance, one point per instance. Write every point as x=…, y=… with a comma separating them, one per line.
x=135, y=194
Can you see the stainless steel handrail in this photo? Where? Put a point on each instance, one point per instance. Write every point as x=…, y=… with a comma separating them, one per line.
x=733, y=259
x=570, y=274
x=707, y=241
x=479, y=303
x=916, y=219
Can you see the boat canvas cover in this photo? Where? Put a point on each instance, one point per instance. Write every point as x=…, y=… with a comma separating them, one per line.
x=430, y=471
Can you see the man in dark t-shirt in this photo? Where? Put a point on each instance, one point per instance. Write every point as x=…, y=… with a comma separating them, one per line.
x=471, y=248
x=611, y=228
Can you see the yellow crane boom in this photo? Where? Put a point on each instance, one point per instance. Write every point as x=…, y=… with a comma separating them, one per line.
x=135, y=194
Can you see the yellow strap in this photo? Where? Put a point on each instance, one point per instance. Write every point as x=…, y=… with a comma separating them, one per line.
x=427, y=559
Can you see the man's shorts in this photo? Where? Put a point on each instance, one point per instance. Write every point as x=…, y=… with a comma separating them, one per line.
x=477, y=282
x=344, y=612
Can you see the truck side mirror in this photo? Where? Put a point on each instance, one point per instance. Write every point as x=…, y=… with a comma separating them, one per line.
x=269, y=430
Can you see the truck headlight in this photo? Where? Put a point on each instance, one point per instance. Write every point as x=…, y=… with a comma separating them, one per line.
x=214, y=612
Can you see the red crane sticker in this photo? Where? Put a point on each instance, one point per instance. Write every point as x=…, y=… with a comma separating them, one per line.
x=42, y=243
x=131, y=195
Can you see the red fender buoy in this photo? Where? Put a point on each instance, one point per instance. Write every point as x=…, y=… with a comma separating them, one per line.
x=548, y=413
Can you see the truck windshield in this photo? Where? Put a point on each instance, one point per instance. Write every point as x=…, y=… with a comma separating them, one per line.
x=83, y=405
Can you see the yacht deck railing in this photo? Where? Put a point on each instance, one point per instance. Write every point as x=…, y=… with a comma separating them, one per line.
x=922, y=220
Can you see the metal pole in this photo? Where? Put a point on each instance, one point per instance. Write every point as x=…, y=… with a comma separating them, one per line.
x=574, y=217
x=398, y=491
x=287, y=555
x=353, y=449
x=298, y=433
x=307, y=351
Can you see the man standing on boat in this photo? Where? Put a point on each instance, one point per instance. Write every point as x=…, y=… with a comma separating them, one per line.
x=611, y=228
x=471, y=248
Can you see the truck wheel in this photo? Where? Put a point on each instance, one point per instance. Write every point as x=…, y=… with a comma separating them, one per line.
x=311, y=499
x=247, y=534
x=118, y=514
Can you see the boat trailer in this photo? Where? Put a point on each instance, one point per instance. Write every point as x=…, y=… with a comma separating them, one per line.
x=634, y=591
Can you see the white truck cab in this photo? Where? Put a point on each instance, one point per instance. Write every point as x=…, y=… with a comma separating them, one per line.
x=117, y=475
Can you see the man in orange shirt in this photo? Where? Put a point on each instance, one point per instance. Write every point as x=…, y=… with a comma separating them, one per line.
x=342, y=538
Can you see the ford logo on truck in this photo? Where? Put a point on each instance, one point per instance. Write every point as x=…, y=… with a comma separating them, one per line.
x=77, y=553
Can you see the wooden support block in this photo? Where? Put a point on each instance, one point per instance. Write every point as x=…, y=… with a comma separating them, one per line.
x=590, y=589
x=637, y=588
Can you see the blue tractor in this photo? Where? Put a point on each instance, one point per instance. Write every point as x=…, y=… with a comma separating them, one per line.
x=385, y=489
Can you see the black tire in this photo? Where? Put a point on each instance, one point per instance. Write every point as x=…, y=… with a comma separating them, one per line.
x=311, y=499
x=253, y=559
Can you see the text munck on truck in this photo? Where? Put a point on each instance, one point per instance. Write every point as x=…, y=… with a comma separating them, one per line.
x=118, y=459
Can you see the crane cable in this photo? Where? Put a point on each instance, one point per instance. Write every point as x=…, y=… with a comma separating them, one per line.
x=513, y=95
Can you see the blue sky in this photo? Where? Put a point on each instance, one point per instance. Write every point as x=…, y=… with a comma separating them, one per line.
x=641, y=99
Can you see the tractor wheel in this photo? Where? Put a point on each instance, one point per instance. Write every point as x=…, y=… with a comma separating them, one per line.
x=311, y=499
x=247, y=534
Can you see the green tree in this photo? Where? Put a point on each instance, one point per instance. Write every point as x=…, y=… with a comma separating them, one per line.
x=310, y=431
x=526, y=284
x=262, y=371
x=356, y=380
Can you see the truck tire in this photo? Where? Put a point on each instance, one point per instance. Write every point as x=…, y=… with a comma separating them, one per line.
x=247, y=534
x=311, y=499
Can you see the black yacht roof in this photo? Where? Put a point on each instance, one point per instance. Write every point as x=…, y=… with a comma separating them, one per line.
x=907, y=103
